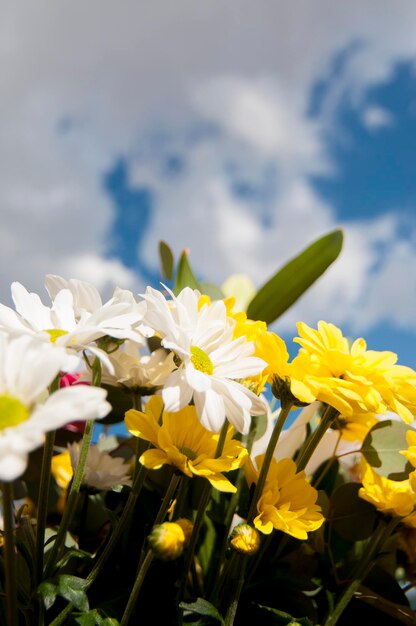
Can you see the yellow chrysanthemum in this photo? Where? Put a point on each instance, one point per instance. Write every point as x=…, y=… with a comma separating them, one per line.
x=244, y=327
x=279, y=372
x=182, y=441
x=352, y=379
x=288, y=501
x=392, y=497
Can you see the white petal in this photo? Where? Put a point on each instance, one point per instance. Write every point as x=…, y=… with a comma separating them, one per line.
x=63, y=311
x=12, y=464
x=176, y=393
x=196, y=379
x=31, y=308
x=79, y=402
x=211, y=410
x=241, y=368
x=13, y=452
x=10, y=321
x=30, y=367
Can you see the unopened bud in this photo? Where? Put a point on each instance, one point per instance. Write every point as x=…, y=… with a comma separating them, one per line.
x=245, y=539
x=169, y=539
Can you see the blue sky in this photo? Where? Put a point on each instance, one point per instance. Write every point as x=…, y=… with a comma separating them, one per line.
x=241, y=135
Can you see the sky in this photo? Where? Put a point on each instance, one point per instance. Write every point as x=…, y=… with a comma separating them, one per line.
x=240, y=131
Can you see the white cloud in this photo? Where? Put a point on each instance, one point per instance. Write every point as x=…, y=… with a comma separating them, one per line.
x=84, y=84
x=375, y=117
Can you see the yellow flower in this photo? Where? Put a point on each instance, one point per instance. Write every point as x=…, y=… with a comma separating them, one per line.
x=352, y=379
x=244, y=327
x=288, y=501
x=61, y=469
x=392, y=497
x=279, y=372
x=169, y=539
x=183, y=442
x=410, y=453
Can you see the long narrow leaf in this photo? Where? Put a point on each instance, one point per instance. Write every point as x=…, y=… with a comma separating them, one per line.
x=184, y=275
x=166, y=260
x=290, y=282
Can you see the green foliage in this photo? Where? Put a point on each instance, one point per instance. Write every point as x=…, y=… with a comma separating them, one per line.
x=73, y=589
x=382, y=447
x=352, y=517
x=94, y=618
x=166, y=260
x=184, y=275
x=203, y=608
x=292, y=280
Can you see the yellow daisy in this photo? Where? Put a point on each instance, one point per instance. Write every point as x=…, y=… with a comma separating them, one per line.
x=288, y=501
x=181, y=440
x=392, y=497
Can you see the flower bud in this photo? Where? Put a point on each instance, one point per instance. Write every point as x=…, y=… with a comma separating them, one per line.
x=169, y=539
x=245, y=539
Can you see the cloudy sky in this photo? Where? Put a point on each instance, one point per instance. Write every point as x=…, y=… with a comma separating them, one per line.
x=240, y=130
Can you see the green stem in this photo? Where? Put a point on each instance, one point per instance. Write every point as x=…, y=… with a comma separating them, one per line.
x=45, y=481
x=189, y=554
x=314, y=439
x=284, y=412
x=231, y=510
x=112, y=542
x=203, y=503
x=71, y=500
x=380, y=535
x=136, y=588
x=237, y=588
x=43, y=496
x=9, y=548
x=144, y=563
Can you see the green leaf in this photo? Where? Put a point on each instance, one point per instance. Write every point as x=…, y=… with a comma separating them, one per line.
x=290, y=282
x=381, y=449
x=166, y=260
x=48, y=591
x=72, y=589
x=202, y=607
x=207, y=547
x=211, y=290
x=92, y=618
x=73, y=553
x=184, y=275
x=352, y=517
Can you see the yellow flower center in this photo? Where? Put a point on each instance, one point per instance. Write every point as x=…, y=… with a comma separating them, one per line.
x=201, y=361
x=12, y=412
x=55, y=333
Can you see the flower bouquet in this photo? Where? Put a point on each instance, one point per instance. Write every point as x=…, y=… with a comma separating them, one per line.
x=163, y=459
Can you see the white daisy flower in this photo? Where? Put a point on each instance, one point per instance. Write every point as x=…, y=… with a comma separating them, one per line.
x=102, y=471
x=139, y=371
x=76, y=318
x=27, y=368
x=212, y=362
